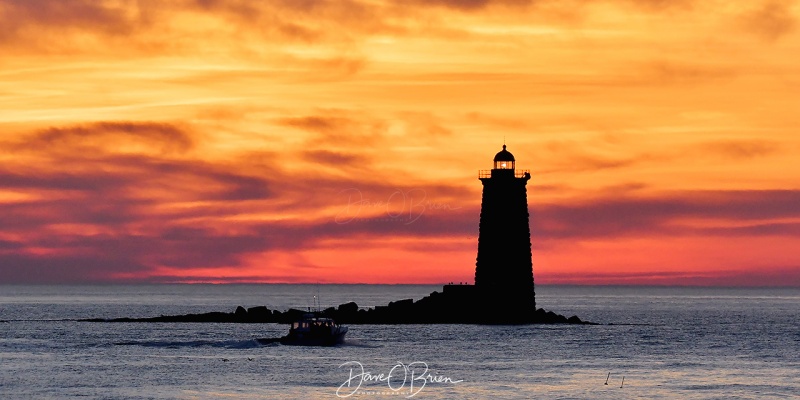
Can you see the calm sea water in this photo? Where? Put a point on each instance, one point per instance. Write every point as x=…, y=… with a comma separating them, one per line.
x=687, y=343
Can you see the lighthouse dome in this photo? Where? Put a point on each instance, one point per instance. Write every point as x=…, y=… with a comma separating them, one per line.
x=504, y=155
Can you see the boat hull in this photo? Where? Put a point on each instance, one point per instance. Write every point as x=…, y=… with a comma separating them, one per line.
x=312, y=330
x=305, y=339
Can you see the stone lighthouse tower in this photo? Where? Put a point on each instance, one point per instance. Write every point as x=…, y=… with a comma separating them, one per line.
x=504, y=272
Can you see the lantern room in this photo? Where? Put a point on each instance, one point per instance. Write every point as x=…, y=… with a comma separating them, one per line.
x=504, y=160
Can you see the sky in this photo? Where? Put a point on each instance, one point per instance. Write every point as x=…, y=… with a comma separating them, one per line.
x=146, y=141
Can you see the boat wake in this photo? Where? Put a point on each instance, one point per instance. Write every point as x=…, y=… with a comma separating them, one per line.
x=359, y=343
x=267, y=341
x=227, y=344
x=347, y=343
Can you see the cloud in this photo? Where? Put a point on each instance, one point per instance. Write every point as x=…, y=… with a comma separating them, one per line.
x=787, y=229
x=105, y=212
x=133, y=27
x=471, y=5
x=123, y=213
x=110, y=17
x=22, y=268
x=174, y=245
x=316, y=123
x=333, y=158
x=571, y=156
x=717, y=213
x=111, y=171
x=773, y=20
x=336, y=130
x=112, y=137
x=117, y=232
x=6, y=245
x=61, y=181
x=38, y=26
x=660, y=5
x=673, y=72
x=741, y=149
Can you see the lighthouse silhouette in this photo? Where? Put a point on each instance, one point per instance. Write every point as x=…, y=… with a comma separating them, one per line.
x=503, y=269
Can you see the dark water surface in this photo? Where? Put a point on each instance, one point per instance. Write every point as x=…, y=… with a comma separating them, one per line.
x=694, y=343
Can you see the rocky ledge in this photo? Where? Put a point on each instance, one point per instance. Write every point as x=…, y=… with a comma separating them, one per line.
x=448, y=307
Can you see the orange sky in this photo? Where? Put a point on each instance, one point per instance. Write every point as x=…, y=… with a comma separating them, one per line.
x=339, y=141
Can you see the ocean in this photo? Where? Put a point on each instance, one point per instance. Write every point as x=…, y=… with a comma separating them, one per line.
x=653, y=343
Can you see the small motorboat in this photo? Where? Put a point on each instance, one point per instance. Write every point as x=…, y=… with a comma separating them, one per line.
x=314, y=330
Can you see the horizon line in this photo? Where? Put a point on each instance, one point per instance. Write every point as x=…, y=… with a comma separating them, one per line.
x=620, y=285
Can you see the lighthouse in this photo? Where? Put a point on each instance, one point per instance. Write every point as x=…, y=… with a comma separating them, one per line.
x=503, y=269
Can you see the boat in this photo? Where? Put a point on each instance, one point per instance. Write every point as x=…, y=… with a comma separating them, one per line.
x=314, y=330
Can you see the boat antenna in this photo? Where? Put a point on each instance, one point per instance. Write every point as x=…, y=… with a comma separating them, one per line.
x=319, y=301
x=623, y=381
x=609, y=375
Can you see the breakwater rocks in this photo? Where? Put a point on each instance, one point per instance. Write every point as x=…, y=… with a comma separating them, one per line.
x=448, y=307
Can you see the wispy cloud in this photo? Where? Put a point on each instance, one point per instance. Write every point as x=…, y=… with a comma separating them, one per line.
x=771, y=20
x=742, y=149
x=696, y=213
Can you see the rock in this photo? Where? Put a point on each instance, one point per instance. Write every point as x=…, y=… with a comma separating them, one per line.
x=348, y=308
x=259, y=314
x=401, y=304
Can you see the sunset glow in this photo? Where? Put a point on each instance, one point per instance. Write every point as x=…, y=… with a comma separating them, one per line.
x=340, y=141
